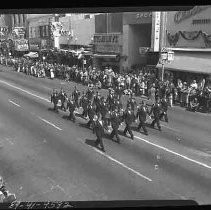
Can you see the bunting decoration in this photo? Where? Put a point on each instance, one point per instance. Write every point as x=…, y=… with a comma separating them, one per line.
x=188, y=35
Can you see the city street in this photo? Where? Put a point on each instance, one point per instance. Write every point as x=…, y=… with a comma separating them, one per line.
x=44, y=156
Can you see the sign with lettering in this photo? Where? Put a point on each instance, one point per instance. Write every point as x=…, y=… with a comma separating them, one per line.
x=156, y=41
x=183, y=15
x=107, y=38
x=21, y=45
x=137, y=17
x=108, y=48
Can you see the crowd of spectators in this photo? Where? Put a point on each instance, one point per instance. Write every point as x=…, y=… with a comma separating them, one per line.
x=195, y=96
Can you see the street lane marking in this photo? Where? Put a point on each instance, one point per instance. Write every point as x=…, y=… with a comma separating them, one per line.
x=49, y=123
x=14, y=103
x=170, y=128
x=123, y=165
x=25, y=91
x=175, y=153
x=170, y=151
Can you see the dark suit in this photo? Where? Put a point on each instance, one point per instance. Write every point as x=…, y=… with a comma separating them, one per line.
x=142, y=116
x=54, y=100
x=99, y=131
x=91, y=114
x=129, y=118
x=164, y=109
x=115, y=122
x=71, y=106
x=156, y=112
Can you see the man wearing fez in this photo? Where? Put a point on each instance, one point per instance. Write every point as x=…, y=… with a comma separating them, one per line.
x=156, y=109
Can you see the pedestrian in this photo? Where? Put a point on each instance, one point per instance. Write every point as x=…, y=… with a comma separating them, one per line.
x=129, y=118
x=99, y=131
x=142, y=116
x=115, y=122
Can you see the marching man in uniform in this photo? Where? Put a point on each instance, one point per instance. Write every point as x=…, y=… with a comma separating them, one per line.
x=71, y=106
x=164, y=109
x=156, y=109
x=99, y=131
x=115, y=122
x=129, y=118
x=63, y=97
x=142, y=116
x=54, y=99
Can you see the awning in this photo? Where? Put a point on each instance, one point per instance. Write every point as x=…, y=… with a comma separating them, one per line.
x=104, y=56
x=32, y=55
x=190, y=62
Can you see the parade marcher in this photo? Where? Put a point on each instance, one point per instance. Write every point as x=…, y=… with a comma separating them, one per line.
x=156, y=109
x=104, y=110
x=84, y=104
x=63, y=97
x=97, y=101
x=71, y=106
x=142, y=116
x=99, y=131
x=76, y=95
x=164, y=109
x=91, y=114
x=54, y=99
x=115, y=122
x=129, y=118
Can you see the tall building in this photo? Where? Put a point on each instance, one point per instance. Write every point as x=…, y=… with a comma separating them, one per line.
x=188, y=34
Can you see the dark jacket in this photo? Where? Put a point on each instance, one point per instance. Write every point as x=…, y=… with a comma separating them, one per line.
x=99, y=130
x=129, y=117
x=142, y=113
x=115, y=120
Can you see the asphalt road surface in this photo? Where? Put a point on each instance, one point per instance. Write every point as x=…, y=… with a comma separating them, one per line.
x=43, y=156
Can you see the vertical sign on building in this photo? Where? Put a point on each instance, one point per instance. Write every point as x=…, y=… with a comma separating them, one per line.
x=157, y=25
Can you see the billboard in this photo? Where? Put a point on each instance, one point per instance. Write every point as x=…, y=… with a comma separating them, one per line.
x=21, y=45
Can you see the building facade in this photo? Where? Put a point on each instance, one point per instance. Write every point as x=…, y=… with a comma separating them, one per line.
x=39, y=31
x=78, y=30
x=124, y=40
x=188, y=35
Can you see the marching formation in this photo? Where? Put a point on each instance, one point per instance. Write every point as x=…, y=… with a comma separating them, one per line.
x=104, y=113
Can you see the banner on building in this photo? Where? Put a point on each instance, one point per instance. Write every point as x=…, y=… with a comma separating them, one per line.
x=21, y=45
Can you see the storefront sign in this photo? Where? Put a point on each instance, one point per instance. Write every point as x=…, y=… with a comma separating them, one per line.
x=143, y=50
x=107, y=38
x=143, y=15
x=56, y=28
x=183, y=15
x=21, y=45
x=34, y=47
x=108, y=48
x=137, y=17
x=157, y=31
